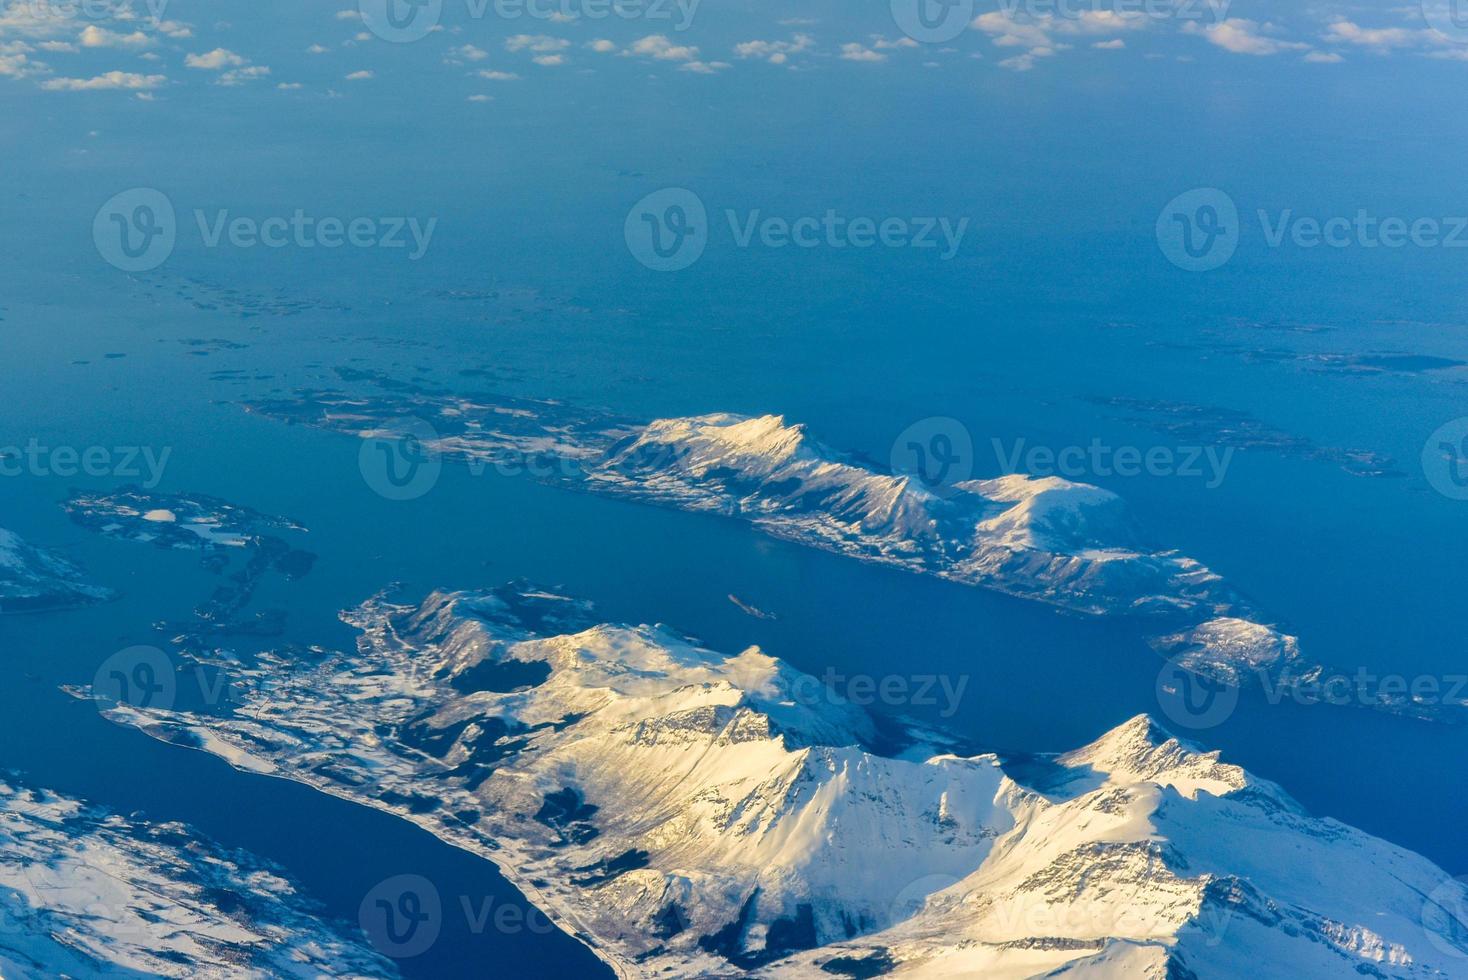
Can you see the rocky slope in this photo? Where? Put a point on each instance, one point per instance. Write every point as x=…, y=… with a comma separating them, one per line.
x=33, y=580
x=86, y=893
x=695, y=814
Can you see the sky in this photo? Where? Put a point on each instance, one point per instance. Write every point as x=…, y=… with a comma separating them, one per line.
x=1059, y=129
x=152, y=50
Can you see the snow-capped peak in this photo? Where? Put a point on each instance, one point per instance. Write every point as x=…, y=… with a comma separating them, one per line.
x=697, y=814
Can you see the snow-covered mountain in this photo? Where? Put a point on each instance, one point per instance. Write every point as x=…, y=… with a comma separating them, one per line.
x=32, y=579
x=86, y=893
x=689, y=813
x=1047, y=539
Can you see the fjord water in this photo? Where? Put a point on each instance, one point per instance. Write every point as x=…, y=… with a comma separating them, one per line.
x=1062, y=297
x=1036, y=680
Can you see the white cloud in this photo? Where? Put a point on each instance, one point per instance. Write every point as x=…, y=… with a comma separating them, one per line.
x=775, y=52
x=112, y=80
x=1381, y=38
x=480, y=98
x=1324, y=58
x=1241, y=36
x=348, y=15
x=59, y=46
x=1009, y=32
x=497, y=76
x=1026, y=61
x=1101, y=22
x=704, y=67
x=602, y=45
x=538, y=43
x=658, y=46
x=93, y=36
x=465, y=52
x=14, y=62
x=216, y=60
x=317, y=49
x=549, y=60
x=361, y=76
x=240, y=76
x=1038, y=32
x=1391, y=40
x=288, y=86
x=856, y=52
x=882, y=44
